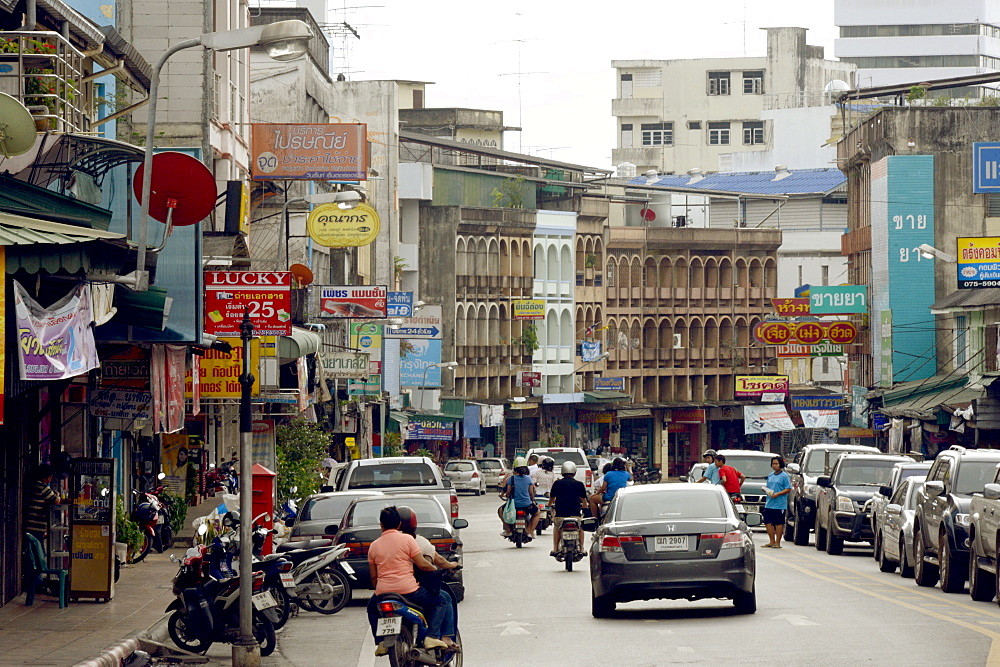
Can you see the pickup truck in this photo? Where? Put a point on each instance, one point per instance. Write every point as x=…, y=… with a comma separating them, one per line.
x=401, y=474
x=984, y=540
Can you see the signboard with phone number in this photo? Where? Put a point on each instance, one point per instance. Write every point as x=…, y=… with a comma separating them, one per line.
x=266, y=295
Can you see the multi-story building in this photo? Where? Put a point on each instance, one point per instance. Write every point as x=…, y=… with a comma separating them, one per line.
x=675, y=115
x=929, y=40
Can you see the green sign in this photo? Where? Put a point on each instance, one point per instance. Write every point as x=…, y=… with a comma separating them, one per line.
x=885, y=349
x=839, y=300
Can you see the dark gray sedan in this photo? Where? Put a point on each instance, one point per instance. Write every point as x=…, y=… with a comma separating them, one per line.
x=672, y=541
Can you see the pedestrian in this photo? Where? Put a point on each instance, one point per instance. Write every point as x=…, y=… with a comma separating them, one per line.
x=730, y=478
x=711, y=474
x=38, y=497
x=777, y=489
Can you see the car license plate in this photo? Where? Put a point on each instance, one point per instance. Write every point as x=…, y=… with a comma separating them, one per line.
x=347, y=567
x=569, y=534
x=670, y=543
x=262, y=601
x=287, y=580
x=389, y=626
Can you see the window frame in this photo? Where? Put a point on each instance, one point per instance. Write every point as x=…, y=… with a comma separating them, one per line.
x=723, y=81
x=727, y=130
x=755, y=128
x=756, y=82
x=664, y=131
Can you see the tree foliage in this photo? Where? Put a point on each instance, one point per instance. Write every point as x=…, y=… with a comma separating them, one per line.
x=301, y=447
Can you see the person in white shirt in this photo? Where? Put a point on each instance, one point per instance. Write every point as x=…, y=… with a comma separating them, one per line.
x=532, y=464
x=543, y=477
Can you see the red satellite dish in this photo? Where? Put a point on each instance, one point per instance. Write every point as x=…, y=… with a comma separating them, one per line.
x=180, y=182
x=647, y=214
x=302, y=274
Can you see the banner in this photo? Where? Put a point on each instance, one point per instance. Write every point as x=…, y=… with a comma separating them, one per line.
x=429, y=430
x=125, y=404
x=765, y=419
x=590, y=351
x=609, y=384
x=358, y=302
x=418, y=369
x=821, y=418
x=220, y=372
x=167, y=385
x=978, y=262
x=790, y=307
x=838, y=300
x=266, y=295
x=825, y=402
x=317, y=151
x=57, y=342
x=263, y=443
x=755, y=386
x=529, y=379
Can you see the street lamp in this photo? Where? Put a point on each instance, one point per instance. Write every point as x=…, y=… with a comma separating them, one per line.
x=445, y=364
x=930, y=252
x=600, y=357
x=282, y=40
x=345, y=200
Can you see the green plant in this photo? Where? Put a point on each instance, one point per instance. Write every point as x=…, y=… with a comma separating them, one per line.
x=942, y=102
x=423, y=451
x=398, y=266
x=405, y=348
x=127, y=530
x=301, y=445
x=510, y=194
x=989, y=101
x=191, y=484
x=177, y=510
x=528, y=337
x=554, y=439
x=392, y=444
x=590, y=261
x=916, y=93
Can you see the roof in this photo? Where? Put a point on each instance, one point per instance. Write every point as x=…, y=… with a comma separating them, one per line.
x=926, y=406
x=21, y=230
x=600, y=396
x=967, y=299
x=134, y=62
x=798, y=182
x=299, y=344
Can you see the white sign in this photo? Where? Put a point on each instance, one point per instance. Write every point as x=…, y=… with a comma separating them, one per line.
x=427, y=324
x=774, y=397
x=820, y=418
x=766, y=418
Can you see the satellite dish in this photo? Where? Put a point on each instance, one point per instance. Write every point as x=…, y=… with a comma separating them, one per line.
x=302, y=274
x=180, y=182
x=17, y=127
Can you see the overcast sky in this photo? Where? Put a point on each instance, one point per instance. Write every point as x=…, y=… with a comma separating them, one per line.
x=473, y=51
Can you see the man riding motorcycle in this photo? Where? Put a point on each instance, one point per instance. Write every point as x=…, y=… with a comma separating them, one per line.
x=567, y=498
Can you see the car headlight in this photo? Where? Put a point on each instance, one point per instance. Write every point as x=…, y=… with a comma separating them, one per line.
x=811, y=490
x=845, y=504
x=962, y=519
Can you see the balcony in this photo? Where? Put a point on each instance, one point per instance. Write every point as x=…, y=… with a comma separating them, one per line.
x=46, y=73
x=637, y=106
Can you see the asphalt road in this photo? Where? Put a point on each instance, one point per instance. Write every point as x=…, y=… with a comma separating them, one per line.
x=813, y=608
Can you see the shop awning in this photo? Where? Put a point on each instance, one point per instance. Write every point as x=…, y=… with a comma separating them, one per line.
x=635, y=414
x=908, y=391
x=23, y=230
x=299, y=344
x=433, y=415
x=927, y=406
x=605, y=396
x=967, y=299
x=399, y=417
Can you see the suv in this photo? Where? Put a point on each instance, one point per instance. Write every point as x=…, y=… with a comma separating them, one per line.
x=841, y=510
x=876, y=506
x=811, y=462
x=755, y=466
x=941, y=522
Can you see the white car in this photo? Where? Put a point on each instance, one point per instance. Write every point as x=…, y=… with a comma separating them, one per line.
x=562, y=454
x=495, y=469
x=465, y=475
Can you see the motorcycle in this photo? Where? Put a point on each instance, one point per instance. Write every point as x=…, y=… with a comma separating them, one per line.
x=644, y=475
x=569, y=546
x=544, y=520
x=402, y=627
x=519, y=535
x=147, y=515
x=206, y=610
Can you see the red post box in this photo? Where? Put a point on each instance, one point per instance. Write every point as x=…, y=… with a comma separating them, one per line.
x=264, y=487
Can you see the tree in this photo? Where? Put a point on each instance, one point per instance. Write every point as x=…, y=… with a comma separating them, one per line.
x=301, y=447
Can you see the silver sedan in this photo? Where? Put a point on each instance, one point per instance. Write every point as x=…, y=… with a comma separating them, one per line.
x=896, y=528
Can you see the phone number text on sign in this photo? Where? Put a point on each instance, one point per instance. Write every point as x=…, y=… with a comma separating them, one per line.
x=266, y=295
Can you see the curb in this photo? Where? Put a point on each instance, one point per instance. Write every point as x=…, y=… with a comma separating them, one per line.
x=113, y=655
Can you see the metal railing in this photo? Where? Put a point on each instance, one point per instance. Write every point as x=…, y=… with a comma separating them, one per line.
x=44, y=72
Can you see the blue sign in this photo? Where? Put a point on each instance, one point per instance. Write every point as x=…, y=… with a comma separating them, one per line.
x=399, y=304
x=415, y=332
x=429, y=430
x=609, y=384
x=986, y=167
x=880, y=421
x=417, y=368
x=826, y=402
x=590, y=351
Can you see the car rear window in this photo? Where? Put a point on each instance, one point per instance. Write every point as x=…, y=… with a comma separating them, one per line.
x=974, y=475
x=326, y=508
x=670, y=505
x=865, y=473
x=906, y=473
x=490, y=465
x=386, y=475
x=460, y=466
x=366, y=512
x=561, y=457
x=751, y=466
x=817, y=461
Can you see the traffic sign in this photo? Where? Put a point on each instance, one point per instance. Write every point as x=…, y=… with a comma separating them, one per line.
x=986, y=166
x=425, y=325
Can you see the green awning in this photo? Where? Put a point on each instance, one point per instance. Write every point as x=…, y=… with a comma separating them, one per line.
x=299, y=344
x=601, y=396
x=927, y=406
x=909, y=391
x=428, y=415
x=399, y=417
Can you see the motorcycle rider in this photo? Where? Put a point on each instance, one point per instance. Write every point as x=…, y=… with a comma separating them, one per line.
x=520, y=488
x=568, y=496
x=711, y=474
x=391, y=558
x=614, y=479
x=408, y=525
x=543, y=478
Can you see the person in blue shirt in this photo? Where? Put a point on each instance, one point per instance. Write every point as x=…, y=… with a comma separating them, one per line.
x=616, y=478
x=522, y=490
x=777, y=489
x=711, y=474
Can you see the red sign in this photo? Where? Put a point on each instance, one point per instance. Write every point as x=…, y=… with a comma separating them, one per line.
x=806, y=333
x=842, y=333
x=755, y=386
x=687, y=416
x=529, y=379
x=809, y=333
x=266, y=294
x=791, y=307
x=357, y=302
x=773, y=333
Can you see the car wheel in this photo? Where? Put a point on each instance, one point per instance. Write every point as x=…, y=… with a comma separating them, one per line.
x=800, y=535
x=834, y=544
x=877, y=546
x=820, y=537
x=952, y=572
x=788, y=533
x=884, y=563
x=982, y=588
x=924, y=573
x=746, y=603
x=905, y=567
x=601, y=607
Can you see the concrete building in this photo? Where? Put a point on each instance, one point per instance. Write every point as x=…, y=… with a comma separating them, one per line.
x=929, y=40
x=674, y=115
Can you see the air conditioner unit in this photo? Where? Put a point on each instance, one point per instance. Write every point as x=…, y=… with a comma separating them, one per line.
x=678, y=342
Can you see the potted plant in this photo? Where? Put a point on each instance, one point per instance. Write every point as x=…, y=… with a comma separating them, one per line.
x=589, y=262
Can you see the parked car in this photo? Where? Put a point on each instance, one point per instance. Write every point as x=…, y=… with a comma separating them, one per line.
x=941, y=524
x=984, y=541
x=841, y=514
x=360, y=527
x=465, y=475
x=562, y=454
x=811, y=462
x=894, y=530
x=876, y=506
x=321, y=510
x=494, y=469
x=672, y=541
x=755, y=466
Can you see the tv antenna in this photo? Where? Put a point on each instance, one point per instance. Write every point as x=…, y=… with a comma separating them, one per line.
x=520, y=75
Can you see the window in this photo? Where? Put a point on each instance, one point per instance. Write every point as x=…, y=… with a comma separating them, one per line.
x=753, y=133
x=657, y=134
x=753, y=82
x=626, y=135
x=626, y=83
x=694, y=124
x=718, y=134
x=650, y=78
x=718, y=83
x=993, y=205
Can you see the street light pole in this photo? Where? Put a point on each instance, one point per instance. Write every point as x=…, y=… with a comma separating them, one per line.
x=423, y=383
x=246, y=650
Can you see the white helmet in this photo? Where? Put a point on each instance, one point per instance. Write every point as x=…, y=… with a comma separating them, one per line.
x=569, y=468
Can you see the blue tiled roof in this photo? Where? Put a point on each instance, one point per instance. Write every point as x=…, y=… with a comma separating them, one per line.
x=799, y=182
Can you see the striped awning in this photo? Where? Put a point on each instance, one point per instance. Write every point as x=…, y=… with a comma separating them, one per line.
x=22, y=230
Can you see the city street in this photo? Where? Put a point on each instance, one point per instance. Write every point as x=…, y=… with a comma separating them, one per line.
x=522, y=606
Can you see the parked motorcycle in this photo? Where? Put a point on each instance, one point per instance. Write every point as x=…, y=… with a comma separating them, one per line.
x=402, y=628
x=147, y=515
x=569, y=545
x=643, y=475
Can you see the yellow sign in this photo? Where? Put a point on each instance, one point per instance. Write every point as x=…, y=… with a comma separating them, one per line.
x=220, y=372
x=529, y=309
x=333, y=227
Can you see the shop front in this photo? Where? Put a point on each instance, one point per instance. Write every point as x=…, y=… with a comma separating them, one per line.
x=635, y=434
x=684, y=439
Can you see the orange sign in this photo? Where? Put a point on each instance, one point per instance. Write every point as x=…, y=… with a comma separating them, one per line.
x=311, y=152
x=791, y=307
x=806, y=333
x=842, y=333
x=773, y=333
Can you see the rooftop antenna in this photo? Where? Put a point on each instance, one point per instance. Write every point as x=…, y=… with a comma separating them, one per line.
x=520, y=75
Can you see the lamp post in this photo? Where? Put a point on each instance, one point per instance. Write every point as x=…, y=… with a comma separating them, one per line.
x=928, y=251
x=600, y=357
x=345, y=200
x=446, y=364
x=284, y=40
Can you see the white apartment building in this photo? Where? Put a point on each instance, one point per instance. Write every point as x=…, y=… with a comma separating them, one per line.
x=892, y=42
x=676, y=115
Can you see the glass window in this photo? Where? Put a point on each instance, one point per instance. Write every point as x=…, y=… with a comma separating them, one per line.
x=326, y=508
x=560, y=456
x=899, y=496
x=459, y=466
x=865, y=473
x=666, y=505
x=694, y=124
x=490, y=465
x=718, y=134
x=649, y=78
x=657, y=134
x=391, y=474
x=753, y=133
x=751, y=466
x=973, y=476
x=718, y=83
x=753, y=82
x=366, y=512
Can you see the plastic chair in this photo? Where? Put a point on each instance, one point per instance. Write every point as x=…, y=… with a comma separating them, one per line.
x=40, y=573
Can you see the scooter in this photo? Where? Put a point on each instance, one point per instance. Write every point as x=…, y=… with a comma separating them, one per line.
x=402, y=627
x=519, y=535
x=569, y=546
x=544, y=521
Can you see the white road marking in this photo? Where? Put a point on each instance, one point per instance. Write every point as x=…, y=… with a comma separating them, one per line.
x=685, y=649
x=483, y=563
x=513, y=628
x=794, y=619
x=367, y=656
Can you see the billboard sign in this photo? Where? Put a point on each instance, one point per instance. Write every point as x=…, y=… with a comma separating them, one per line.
x=332, y=227
x=309, y=151
x=418, y=368
x=427, y=323
x=531, y=379
x=609, y=384
x=986, y=166
x=344, y=365
x=421, y=429
x=267, y=295
x=355, y=302
x=400, y=304
x=755, y=386
x=791, y=307
x=766, y=418
x=805, y=333
x=818, y=350
x=825, y=402
x=978, y=262
x=838, y=300
x=529, y=309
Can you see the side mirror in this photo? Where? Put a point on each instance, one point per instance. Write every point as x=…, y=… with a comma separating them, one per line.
x=893, y=508
x=885, y=490
x=446, y=482
x=991, y=492
x=331, y=530
x=589, y=524
x=824, y=481
x=934, y=488
x=793, y=468
x=290, y=521
x=459, y=524
x=325, y=488
x=753, y=519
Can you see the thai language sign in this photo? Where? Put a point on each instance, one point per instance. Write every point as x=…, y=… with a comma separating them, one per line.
x=590, y=351
x=344, y=365
x=818, y=350
x=529, y=379
x=120, y=404
x=978, y=262
x=766, y=418
x=332, y=227
x=356, y=302
x=400, y=304
x=57, y=342
x=755, y=386
x=316, y=152
x=220, y=372
x=826, y=402
x=790, y=307
x=429, y=430
x=838, y=300
x=265, y=295
x=609, y=384
x=821, y=418
x=529, y=309
x=806, y=333
x=422, y=365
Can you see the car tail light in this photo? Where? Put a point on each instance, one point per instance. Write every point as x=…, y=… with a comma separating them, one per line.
x=475, y=475
x=454, y=506
x=590, y=476
x=445, y=545
x=615, y=542
x=732, y=539
x=357, y=548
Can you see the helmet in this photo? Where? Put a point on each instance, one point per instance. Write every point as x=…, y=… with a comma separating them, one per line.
x=548, y=464
x=569, y=468
x=408, y=520
x=709, y=452
x=520, y=462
